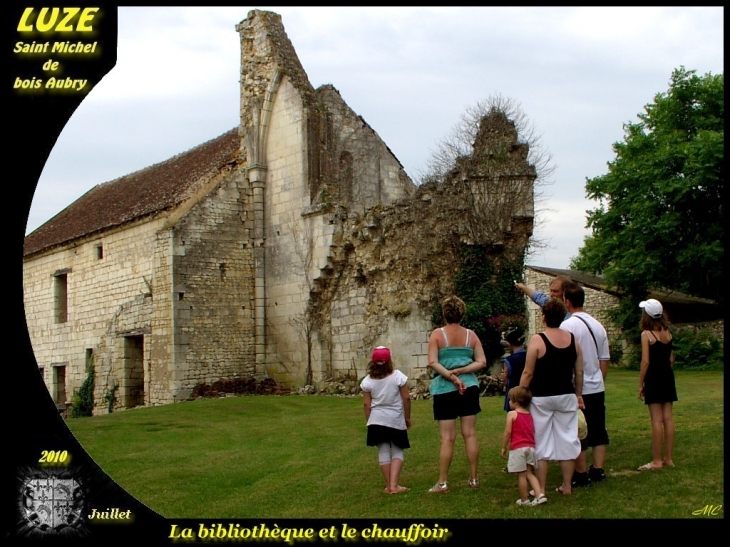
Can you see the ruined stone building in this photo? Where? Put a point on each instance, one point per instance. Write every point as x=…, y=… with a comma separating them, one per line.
x=287, y=247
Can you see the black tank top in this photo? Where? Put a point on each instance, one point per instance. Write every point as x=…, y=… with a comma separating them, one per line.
x=553, y=373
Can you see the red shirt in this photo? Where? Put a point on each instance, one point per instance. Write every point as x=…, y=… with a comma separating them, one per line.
x=523, y=432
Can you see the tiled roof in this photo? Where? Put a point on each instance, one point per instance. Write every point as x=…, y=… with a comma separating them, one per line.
x=151, y=190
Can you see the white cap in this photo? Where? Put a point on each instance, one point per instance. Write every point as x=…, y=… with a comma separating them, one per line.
x=653, y=308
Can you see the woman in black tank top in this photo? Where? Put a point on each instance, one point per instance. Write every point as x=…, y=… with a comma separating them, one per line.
x=554, y=374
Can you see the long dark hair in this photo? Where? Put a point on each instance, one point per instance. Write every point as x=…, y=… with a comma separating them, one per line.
x=380, y=370
x=653, y=323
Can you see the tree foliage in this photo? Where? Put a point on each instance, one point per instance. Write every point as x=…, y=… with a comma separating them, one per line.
x=659, y=222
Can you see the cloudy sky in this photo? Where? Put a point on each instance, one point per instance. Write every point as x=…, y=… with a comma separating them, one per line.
x=578, y=74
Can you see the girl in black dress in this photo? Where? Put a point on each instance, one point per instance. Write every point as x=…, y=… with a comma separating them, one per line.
x=656, y=381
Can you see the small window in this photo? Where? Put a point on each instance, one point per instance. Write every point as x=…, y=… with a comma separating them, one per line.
x=99, y=251
x=60, y=298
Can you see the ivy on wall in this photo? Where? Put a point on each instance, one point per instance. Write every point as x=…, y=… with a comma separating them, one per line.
x=487, y=287
x=82, y=403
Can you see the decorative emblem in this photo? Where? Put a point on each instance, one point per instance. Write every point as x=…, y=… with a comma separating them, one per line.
x=51, y=502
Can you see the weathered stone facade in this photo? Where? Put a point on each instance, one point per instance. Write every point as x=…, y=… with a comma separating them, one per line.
x=286, y=248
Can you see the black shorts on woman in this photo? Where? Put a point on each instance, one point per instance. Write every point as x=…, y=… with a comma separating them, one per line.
x=452, y=405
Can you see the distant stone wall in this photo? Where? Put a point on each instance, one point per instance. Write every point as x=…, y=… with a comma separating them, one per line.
x=597, y=304
x=717, y=328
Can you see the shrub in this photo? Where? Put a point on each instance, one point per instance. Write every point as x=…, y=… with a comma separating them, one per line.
x=698, y=350
x=82, y=402
x=616, y=349
x=492, y=302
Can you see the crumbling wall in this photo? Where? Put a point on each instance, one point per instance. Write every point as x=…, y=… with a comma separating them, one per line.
x=359, y=170
x=391, y=265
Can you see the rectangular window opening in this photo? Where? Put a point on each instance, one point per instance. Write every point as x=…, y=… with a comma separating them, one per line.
x=60, y=298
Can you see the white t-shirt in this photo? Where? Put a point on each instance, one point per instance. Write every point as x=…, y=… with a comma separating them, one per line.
x=592, y=377
x=386, y=407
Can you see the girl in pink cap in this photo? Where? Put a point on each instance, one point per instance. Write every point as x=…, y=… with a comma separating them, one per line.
x=387, y=405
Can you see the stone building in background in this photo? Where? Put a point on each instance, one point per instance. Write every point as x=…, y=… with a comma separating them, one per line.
x=683, y=311
x=286, y=248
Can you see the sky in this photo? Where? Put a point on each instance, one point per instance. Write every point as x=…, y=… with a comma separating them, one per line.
x=578, y=74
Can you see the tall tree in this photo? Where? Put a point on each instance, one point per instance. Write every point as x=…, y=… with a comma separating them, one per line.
x=659, y=222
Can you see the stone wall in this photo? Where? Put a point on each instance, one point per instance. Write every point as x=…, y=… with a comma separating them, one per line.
x=597, y=304
x=292, y=262
x=109, y=299
x=212, y=296
x=717, y=328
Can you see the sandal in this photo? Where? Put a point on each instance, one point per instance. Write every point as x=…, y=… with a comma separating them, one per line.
x=559, y=489
x=439, y=488
x=647, y=467
x=473, y=483
x=539, y=500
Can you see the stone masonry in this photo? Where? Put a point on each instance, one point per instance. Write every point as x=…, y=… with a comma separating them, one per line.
x=284, y=249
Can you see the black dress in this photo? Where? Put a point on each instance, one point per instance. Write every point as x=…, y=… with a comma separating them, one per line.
x=659, y=384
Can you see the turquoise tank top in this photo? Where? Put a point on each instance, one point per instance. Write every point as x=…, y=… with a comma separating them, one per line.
x=451, y=358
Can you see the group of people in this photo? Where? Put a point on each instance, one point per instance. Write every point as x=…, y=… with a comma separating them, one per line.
x=553, y=385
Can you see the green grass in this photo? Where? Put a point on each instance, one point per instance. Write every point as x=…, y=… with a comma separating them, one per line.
x=305, y=457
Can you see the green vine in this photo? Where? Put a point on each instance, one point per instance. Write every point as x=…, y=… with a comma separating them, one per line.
x=487, y=288
x=110, y=396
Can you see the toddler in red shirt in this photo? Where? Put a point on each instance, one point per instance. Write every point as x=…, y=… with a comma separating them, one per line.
x=519, y=439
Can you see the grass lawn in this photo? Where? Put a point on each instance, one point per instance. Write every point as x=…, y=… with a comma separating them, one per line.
x=305, y=457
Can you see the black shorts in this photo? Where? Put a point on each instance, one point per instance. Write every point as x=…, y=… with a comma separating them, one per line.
x=595, y=413
x=449, y=406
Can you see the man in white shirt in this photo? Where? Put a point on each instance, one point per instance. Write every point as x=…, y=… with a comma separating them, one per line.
x=593, y=340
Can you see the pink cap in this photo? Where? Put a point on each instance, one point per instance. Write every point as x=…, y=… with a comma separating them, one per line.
x=381, y=354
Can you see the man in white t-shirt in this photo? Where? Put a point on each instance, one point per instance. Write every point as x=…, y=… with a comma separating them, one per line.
x=591, y=336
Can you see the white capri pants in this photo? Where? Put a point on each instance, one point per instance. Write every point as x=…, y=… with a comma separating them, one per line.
x=556, y=427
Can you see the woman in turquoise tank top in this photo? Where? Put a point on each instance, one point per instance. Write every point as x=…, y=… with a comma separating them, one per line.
x=455, y=355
